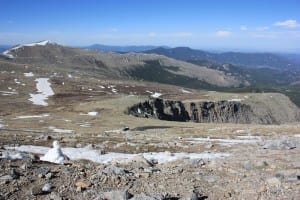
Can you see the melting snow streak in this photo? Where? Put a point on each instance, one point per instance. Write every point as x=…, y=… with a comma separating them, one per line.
x=44, y=91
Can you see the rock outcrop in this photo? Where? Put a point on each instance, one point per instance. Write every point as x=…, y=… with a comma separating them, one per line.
x=220, y=112
x=216, y=111
x=161, y=109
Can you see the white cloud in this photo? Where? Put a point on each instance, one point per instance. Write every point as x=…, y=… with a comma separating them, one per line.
x=222, y=34
x=290, y=23
x=243, y=28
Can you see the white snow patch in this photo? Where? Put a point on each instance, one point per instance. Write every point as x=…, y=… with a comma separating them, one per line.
x=185, y=91
x=297, y=135
x=156, y=95
x=17, y=81
x=1, y=124
x=44, y=91
x=58, y=130
x=7, y=54
x=70, y=76
x=251, y=137
x=85, y=124
x=93, y=113
x=29, y=74
x=215, y=129
x=101, y=86
x=240, y=131
x=149, y=92
x=7, y=93
x=96, y=156
x=54, y=155
x=221, y=141
x=32, y=116
x=235, y=100
x=13, y=156
x=114, y=90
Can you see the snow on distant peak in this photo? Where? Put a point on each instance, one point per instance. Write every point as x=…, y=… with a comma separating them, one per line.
x=8, y=54
x=41, y=43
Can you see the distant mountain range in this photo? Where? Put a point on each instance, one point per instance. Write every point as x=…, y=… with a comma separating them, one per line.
x=124, y=49
x=253, y=60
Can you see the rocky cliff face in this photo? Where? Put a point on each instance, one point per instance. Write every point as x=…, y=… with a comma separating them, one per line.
x=210, y=111
x=160, y=109
x=220, y=112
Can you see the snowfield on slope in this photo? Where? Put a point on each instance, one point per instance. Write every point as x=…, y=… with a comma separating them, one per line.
x=44, y=90
x=96, y=156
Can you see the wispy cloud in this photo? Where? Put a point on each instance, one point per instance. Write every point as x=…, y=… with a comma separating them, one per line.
x=290, y=23
x=243, y=28
x=222, y=34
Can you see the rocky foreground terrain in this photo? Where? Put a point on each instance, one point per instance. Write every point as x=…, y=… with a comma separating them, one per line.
x=109, y=153
x=244, y=162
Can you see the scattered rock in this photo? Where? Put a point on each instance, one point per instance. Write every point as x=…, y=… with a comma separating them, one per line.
x=248, y=165
x=78, y=189
x=34, y=157
x=260, y=164
x=24, y=166
x=292, y=178
x=211, y=178
x=47, y=137
x=194, y=196
x=83, y=184
x=112, y=169
x=209, y=146
x=36, y=190
x=284, y=143
x=6, y=178
x=49, y=175
x=55, y=196
x=273, y=182
x=42, y=171
x=117, y=194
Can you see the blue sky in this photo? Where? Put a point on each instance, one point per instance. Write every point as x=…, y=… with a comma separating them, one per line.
x=272, y=25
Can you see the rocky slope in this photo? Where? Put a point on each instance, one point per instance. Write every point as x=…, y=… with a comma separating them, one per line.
x=278, y=109
x=48, y=54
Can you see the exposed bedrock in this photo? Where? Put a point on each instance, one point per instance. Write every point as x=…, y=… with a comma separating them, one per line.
x=214, y=111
